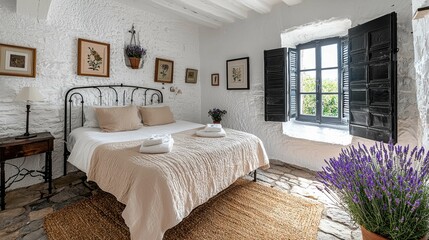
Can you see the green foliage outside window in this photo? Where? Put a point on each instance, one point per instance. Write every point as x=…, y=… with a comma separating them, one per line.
x=329, y=102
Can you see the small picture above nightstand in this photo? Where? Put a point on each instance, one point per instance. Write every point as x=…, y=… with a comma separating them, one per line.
x=11, y=148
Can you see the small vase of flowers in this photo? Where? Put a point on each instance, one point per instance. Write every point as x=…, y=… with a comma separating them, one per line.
x=385, y=188
x=135, y=53
x=216, y=114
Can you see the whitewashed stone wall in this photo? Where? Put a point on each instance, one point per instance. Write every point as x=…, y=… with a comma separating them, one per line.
x=421, y=52
x=260, y=32
x=56, y=43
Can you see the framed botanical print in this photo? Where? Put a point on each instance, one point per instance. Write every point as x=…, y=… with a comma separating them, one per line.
x=191, y=75
x=237, y=74
x=215, y=79
x=17, y=61
x=164, y=70
x=93, y=58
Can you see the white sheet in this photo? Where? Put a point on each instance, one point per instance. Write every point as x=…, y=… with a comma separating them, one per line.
x=83, y=141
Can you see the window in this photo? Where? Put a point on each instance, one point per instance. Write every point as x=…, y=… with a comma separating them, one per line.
x=319, y=82
x=331, y=80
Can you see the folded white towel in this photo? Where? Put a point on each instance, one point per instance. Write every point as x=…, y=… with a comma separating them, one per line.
x=156, y=139
x=203, y=133
x=213, y=128
x=151, y=141
x=164, y=147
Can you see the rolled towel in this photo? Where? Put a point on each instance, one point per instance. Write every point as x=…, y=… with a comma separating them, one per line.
x=156, y=139
x=213, y=128
x=203, y=133
x=164, y=147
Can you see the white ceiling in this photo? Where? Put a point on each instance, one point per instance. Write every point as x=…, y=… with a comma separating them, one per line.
x=210, y=13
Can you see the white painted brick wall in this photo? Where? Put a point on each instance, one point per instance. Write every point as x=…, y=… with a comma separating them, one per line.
x=421, y=50
x=56, y=43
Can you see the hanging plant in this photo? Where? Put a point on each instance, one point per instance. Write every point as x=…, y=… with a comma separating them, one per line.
x=134, y=51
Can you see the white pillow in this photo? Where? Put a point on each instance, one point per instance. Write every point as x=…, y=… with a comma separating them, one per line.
x=90, y=117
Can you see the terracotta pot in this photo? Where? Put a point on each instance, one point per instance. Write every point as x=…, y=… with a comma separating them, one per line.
x=367, y=235
x=134, y=62
x=216, y=122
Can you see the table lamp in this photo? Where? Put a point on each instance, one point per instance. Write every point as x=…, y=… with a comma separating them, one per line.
x=28, y=94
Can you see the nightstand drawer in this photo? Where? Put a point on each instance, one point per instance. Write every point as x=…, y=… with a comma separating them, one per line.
x=26, y=149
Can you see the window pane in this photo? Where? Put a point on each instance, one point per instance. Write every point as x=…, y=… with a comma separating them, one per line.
x=308, y=81
x=308, y=104
x=330, y=56
x=330, y=105
x=308, y=58
x=330, y=81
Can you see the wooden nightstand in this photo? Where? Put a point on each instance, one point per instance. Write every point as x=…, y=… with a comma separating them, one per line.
x=11, y=148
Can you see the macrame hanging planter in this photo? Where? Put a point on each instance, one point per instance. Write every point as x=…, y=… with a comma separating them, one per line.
x=134, y=52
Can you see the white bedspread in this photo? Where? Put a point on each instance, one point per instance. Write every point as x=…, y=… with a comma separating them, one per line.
x=85, y=140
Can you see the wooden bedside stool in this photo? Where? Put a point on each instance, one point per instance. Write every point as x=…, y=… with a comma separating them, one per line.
x=11, y=148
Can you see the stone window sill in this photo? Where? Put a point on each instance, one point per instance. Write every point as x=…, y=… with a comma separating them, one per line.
x=333, y=134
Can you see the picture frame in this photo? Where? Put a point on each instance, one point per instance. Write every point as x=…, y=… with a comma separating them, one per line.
x=17, y=61
x=237, y=74
x=191, y=75
x=215, y=79
x=164, y=70
x=93, y=58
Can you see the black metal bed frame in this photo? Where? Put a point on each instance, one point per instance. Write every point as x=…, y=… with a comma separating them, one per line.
x=76, y=93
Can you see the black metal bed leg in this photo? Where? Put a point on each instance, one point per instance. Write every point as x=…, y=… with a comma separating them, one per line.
x=254, y=175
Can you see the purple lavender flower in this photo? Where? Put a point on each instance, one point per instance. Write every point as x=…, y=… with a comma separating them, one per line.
x=135, y=51
x=384, y=187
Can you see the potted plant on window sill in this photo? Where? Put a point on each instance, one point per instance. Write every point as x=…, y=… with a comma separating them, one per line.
x=384, y=188
x=216, y=114
x=135, y=53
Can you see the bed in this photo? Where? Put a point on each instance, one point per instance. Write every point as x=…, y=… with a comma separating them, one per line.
x=159, y=190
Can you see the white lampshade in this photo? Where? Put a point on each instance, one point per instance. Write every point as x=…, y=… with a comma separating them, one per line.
x=29, y=94
x=421, y=13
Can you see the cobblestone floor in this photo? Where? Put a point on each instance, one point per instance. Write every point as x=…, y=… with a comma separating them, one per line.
x=27, y=207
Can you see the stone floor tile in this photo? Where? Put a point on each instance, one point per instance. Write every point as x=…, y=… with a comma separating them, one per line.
x=35, y=215
x=281, y=168
x=274, y=171
x=338, y=215
x=283, y=185
x=62, y=196
x=21, y=198
x=334, y=228
x=264, y=178
x=324, y=236
x=357, y=234
x=68, y=179
x=35, y=235
x=11, y=213
x=9, y=236
x=31, y=226
x=12, y=224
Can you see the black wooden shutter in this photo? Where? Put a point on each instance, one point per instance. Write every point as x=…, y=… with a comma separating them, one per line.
x=372, y=69
x=345, y=79
x=293, y=67
x=275, y=85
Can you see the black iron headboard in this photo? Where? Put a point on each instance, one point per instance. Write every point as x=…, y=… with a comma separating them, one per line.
x=128, y=97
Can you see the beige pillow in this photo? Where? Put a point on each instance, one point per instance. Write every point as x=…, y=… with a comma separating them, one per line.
x=117, y=119
x=152, y=116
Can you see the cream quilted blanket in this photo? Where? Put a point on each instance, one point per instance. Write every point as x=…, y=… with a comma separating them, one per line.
x=159, y=190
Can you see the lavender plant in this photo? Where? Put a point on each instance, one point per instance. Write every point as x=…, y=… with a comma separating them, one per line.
x=216, y=114
x=384, y=188
x=135, y=51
